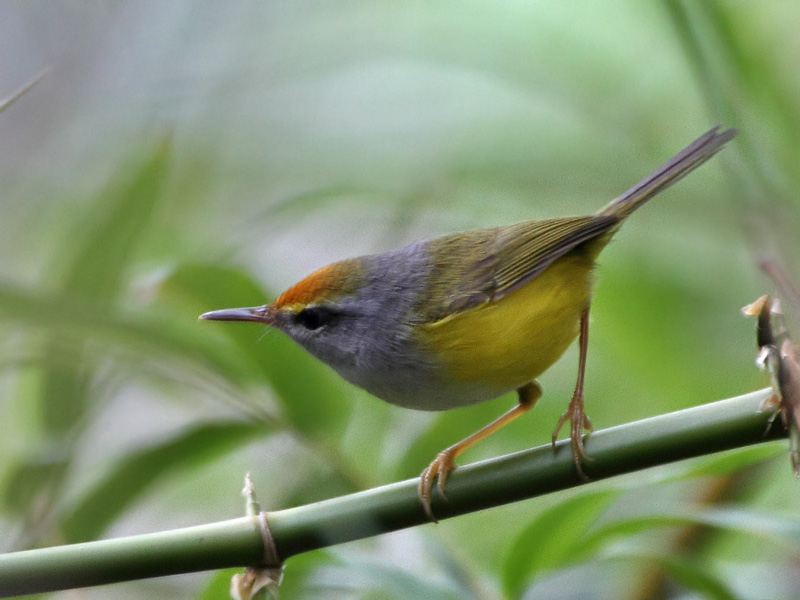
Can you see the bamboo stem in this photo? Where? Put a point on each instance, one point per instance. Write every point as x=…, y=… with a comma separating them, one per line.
x=697, y=431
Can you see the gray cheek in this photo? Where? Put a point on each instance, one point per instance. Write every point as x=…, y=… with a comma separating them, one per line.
x=341, y=345
x=375, y=348
x=368, y=342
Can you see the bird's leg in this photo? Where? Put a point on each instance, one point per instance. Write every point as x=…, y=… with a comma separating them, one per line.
x=445, y=461
x=575, y=413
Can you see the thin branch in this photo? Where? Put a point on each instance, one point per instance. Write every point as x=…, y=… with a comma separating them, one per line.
x=6, y=102
x=698, y=431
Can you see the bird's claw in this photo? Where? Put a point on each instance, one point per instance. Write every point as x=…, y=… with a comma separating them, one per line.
x=579, y=422
x=437, y=471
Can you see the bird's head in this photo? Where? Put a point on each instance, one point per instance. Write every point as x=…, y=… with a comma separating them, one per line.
x=321, y=312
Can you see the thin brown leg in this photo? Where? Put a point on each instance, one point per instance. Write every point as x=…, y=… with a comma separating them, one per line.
x=445, y=460
x=575, y=413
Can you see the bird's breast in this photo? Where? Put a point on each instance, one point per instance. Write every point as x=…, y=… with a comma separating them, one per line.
x=504, y=343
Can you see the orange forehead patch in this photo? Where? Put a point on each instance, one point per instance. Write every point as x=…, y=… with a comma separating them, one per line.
x=328, y=283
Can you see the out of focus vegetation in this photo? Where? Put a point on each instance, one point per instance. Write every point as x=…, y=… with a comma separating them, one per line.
x=186, y=156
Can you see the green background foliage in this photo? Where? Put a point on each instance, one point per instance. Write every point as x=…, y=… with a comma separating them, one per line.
x=185, y=156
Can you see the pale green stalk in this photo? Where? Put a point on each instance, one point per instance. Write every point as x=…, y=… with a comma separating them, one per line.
x=674, y=436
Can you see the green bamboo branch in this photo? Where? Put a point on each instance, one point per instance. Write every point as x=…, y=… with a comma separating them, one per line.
x=698, y=431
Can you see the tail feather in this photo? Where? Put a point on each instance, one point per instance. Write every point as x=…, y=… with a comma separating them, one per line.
x=680, y=165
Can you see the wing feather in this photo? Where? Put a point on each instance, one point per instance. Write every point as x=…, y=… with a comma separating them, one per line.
x=484, y=265
x=526, y=249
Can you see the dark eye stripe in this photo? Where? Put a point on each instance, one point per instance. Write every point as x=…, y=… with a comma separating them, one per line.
x=315, y=317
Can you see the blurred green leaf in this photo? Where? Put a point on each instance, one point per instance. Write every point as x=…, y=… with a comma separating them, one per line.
x=550, y=540
x=218, y=587
x=300, y=569
x=103, y=241
x=134, y=474
x=462, y=575
x=96, y=273
x=300, y=205
x=734, y=460
x=769, y=527
x=101, y=253
x=594, y=541
x=24, y=482
x=692, y=574
x=147, y=336
x=389, y=581
x=717, y=39
x=326, y=482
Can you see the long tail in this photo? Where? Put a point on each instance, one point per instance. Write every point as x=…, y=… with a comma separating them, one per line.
x=683, y=163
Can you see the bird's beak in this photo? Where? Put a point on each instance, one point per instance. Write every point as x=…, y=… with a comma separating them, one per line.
x=259, y=314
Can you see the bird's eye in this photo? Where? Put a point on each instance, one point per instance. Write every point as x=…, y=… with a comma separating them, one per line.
x=314, y=317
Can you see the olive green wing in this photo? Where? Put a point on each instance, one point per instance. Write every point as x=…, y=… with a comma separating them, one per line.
x=524, y=250
x=481, y=266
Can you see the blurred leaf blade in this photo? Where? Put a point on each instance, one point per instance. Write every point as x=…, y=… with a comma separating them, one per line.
x=149, y=335
x=768, y=527
x=24, y=479
x=549, y=540
x=460, y=573
x=728, y=462
x=219, y=585
x=121, y=215
x=134, y=474
x=388, y=581
x=97, y=271
x=694, y=576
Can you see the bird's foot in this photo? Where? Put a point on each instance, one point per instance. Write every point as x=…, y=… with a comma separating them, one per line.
x=437, y=471
x=579, y=422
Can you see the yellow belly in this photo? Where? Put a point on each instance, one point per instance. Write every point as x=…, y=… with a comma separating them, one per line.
x=507, y=342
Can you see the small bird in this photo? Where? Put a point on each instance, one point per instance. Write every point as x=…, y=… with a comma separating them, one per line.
x=466, y=317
